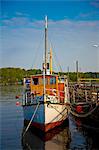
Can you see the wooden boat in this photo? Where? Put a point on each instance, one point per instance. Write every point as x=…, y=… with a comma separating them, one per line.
x=46, y=96
x=85, y=104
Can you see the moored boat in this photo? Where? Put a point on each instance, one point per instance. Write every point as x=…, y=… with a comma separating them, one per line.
x=45, y=97
x=85, y=105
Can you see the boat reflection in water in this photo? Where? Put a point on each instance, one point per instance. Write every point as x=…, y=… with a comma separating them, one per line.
x=83, y=136
x=91, y=136
x=89, y=126
x=57, y=138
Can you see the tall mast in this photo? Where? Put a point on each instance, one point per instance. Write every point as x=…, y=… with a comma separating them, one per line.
x=68, y=72
x=77, y=69
x=46, y=26
x=45, y=59
x=51, y=61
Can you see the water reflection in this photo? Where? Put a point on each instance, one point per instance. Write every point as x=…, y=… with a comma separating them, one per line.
x=76, y=136
x=83, y=136
x=11, y=119
x=91, y=137
x=8, y=93
x=56, y=139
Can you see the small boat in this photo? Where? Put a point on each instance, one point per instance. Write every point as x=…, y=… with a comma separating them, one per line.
x=46, y=96
x=85, y=104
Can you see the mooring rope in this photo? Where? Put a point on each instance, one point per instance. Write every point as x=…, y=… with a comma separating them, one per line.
x=60, y=113
x=57, y=110
x=31, y=119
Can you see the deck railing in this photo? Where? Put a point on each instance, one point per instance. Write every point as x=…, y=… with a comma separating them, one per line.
x=83, y=94
x=52, y=95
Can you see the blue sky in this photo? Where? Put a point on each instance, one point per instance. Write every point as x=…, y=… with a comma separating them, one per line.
x=73, y=32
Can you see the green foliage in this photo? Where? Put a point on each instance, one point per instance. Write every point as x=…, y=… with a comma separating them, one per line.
x=73, y=75
x=16, y=75
x=33, y=72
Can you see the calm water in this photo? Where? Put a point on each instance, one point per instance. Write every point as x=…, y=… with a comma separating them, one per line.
x=68, y=137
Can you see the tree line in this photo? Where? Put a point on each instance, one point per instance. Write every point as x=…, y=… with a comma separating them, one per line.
x=73, y=75
x=16, y=75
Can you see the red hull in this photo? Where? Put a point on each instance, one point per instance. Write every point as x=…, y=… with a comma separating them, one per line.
x=46, y=127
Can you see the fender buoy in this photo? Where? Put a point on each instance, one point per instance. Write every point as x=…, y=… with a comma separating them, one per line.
x=79, y=109
x=17, y=96
x=17, y=103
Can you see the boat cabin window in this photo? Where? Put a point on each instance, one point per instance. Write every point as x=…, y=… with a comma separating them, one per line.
x=52, y=80
x=35, y=81
x=61, y=79
x=46, y=81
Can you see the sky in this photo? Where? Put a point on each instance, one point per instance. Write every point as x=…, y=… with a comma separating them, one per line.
x=73, y=33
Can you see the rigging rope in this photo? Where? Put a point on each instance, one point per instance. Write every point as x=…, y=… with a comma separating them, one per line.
x=55, y=60
x=36, y=60
x=57, y=64
x=60, y=113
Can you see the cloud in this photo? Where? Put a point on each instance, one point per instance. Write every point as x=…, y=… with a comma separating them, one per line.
x=20, y=14
x=15, y=21
x=26, y=22
x=90, y=14
x=75, y=23
x=95, y=3
x=23, y=42
x=87, y=24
